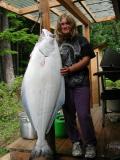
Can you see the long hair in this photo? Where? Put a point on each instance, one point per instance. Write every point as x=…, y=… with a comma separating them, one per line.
x=58, y=31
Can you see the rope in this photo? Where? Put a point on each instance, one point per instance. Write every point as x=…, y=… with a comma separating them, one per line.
x=39, y=17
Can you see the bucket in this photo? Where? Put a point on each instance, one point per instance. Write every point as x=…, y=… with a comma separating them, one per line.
x=26, y=129
x=60, y=130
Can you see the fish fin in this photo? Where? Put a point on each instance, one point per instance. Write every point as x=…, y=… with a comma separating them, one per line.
x=59, y=103
x=25, y=103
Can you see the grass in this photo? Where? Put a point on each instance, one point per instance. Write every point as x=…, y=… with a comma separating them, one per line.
x=10, y=106
x=9, y=131
x=3, y=151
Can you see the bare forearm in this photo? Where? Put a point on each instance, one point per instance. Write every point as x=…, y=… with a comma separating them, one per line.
x=80, y=65
x=77, y=66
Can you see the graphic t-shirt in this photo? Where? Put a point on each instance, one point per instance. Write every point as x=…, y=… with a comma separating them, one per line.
x=72, y=50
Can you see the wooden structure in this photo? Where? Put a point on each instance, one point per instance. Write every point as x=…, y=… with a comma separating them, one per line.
x=107, y=147
x=47, y=12
x=83, y=11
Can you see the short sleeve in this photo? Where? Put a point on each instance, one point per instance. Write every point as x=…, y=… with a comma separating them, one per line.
x=86, y=48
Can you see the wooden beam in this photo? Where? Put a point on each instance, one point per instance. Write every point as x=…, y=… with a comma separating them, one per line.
x=105, y=19
x=116, y=7
x=35, y=7
x=8, y=7
x=45, y=10
x=56, y=11
x=29, y=16
x=26, y=10
x=53, y=3
x=71, y=7
x=15, y=10
x=30, y=9
x=87, y=9
x=86, y=33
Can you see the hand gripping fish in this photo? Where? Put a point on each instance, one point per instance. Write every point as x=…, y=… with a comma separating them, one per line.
x=43, y=91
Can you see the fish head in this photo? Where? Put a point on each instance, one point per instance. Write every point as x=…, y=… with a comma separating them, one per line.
x=46, y=43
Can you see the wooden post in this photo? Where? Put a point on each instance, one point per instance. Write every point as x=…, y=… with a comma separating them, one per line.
x=45, y=13
x=86, y=33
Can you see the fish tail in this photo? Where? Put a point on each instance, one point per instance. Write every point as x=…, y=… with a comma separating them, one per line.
x=38, y=151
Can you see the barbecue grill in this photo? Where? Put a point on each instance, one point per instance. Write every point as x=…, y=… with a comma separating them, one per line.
x=110, y=65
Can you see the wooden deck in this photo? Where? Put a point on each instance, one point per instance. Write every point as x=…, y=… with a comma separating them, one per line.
x=108, y=142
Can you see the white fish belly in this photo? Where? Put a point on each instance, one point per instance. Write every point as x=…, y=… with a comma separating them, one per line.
x=40, y=89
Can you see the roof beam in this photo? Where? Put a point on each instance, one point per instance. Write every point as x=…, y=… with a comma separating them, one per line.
x=56, y=11
x=53, y=3
x=105, y=19
x=30, y=9
x=45, y=9
x=8, y=7
x=35, y=7
x=35, y=19
x=83, y=4
x=116, y=7
x=68, y=4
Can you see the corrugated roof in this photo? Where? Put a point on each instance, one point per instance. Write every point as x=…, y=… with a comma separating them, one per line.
x=93, y=10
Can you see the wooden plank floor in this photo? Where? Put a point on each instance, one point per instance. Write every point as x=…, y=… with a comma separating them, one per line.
x=108, y=137
x=108, y=140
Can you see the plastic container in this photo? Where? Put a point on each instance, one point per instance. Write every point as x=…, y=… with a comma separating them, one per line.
x=60, y=130
x=26, y=129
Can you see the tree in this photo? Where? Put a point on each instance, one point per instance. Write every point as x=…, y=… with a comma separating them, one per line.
x=7, y=62
x=20, y=40
x=106, y=32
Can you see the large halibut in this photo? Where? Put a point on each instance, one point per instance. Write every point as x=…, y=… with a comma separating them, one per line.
x=43, y=91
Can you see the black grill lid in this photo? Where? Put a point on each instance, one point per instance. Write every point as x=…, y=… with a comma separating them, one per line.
x=111, y=62
x=111, y=59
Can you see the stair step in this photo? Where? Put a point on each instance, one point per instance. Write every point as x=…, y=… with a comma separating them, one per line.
x=6, y=157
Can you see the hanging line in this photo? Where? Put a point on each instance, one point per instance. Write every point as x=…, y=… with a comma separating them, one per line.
x=39, y=18
x=40, y=23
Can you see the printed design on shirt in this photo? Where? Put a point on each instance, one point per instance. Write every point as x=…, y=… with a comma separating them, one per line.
x=69, y=52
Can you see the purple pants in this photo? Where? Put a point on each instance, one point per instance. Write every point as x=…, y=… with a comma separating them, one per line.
x=78, y=101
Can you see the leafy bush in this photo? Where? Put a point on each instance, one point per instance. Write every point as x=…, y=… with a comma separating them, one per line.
x=3, y=150
x=110, y=83
x=117, y=83
x=10, y=106
x=10, y=100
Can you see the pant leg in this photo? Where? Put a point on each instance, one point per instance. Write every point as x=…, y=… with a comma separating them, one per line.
x=70, y=116
x=82, y=104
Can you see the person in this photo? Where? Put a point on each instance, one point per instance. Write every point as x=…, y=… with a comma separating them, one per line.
x=76, y=53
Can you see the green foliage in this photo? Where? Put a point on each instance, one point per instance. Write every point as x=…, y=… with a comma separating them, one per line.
x=7, y=51
x=9, y=131
x=18, y=36
x=9, y=100
x=117, y=83
x=3, y=151
x=10, y=106
x=106, y=32
x=15, y=20
x=110, y=83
